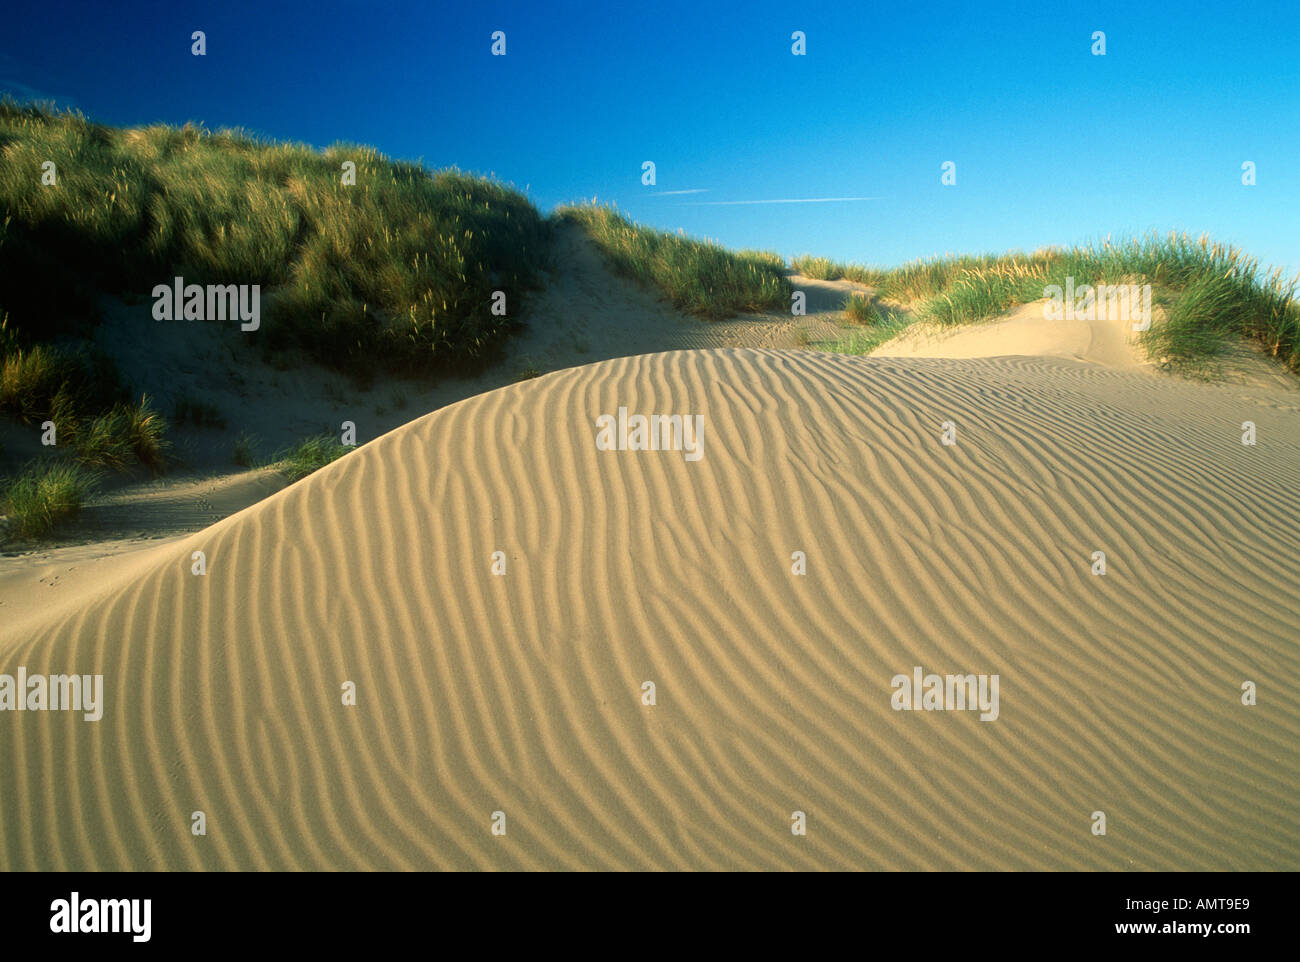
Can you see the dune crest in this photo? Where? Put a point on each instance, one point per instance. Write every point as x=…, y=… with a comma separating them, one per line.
x=522, y=692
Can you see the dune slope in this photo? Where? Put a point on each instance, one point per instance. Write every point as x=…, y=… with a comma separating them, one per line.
x=521, y=693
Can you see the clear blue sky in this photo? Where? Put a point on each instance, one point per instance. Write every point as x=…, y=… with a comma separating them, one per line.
x=1052, y=144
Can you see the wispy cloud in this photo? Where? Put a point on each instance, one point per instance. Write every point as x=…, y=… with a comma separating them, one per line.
x=784, y=200
x=11, y=68
x=670, y=193
x=26, y=93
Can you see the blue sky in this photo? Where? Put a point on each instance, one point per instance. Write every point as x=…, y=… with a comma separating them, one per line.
x=1052, y=145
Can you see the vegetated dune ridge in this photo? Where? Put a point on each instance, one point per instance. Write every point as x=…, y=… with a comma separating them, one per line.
x=521, y=693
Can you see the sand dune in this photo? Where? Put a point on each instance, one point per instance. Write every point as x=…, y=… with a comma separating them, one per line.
x=521, y=693
x=1024, y=330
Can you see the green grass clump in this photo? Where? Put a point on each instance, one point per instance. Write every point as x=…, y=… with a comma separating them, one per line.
x=818, y=268
x=825, y=269
x=30, y=379
x=865, y=339
x=46, y=494
x=923, y=279
x=197, y=412
x=988, y=291
x=771, y=258
x=146, y=432
x=697, y=276
x=915, y=281
x=396, y=271
x=41, y=381
x=126, y=435
x=310, y=455
x=102, y=442
x=1214, y=308
x=861, y=309
x=1212, y=293
x=872, y=327
x=243, y=451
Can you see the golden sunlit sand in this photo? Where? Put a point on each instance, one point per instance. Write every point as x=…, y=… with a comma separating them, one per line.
x=522, y=692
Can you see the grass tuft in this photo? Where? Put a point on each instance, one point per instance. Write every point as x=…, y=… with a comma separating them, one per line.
x=103, y=442
x=865, y=339
x=818, y=268
x=243, y=451
x=146, y=432
x=39, y=381
x=311, y=455
x=861, y=309
x=197, y=412
x=45, y=495
x=126, y=435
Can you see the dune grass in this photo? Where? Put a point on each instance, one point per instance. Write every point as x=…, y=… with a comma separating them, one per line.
x=126, y=435
x=309, y=455
x=197, y=412
x=244, y=451
x=862, y=309
x=819, y=268
x=914, y=281
x=1211, y=293
x=46, y=494
x=696, y=276
x=870, y=327
x=79, y=390
x=41, y=381
x=394, y=272
x=101, y=443
x=528, y=372
x=146, y=432
x=863, y=340
x=825, y=269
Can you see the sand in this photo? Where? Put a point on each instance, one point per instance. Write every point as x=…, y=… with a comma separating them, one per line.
x=522, y=693
x=1024, y=330
x=585, y=313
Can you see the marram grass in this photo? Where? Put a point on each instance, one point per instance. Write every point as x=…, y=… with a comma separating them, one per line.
x=46, y=494
x=396, y=271
x=696, y=276
x=310, y=455
x=1211, y=292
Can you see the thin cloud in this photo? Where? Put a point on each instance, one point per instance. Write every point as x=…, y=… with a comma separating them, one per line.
x=25, y=93
x=669, y=193
x=785, y=200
